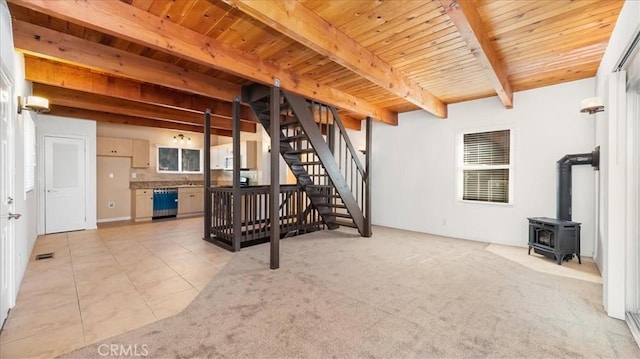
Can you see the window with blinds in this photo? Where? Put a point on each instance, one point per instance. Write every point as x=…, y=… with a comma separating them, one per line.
x=29, y=152
x=486, y=166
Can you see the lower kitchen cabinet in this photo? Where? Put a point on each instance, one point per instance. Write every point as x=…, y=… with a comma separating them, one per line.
x=142, y=200
x=190, y=200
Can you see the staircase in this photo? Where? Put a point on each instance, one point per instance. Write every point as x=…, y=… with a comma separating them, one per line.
x=317, y=149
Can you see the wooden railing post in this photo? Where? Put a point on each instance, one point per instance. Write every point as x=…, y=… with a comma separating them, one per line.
x=274, y=213
x=207, y=175
x=237, y=196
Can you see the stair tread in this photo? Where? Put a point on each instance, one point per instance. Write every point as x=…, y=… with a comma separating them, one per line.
x=293, y=138
x=312, y=163
x=318, y=194
x=338, y=214
x=320, y=186
x=332, y=205
x=343, y=223
x=288, y=123
x=295, y=152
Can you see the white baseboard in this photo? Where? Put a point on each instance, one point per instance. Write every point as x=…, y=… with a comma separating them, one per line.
x=114, y=219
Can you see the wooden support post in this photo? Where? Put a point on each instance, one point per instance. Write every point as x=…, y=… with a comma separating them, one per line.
x=237, y=195
x=207, y=174
x=367, y=195
x=274, y=213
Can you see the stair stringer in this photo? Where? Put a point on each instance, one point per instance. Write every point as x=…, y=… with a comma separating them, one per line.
x=294, y=162
x=300, y=108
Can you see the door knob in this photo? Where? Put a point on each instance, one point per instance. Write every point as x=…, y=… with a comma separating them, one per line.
x=9, y=200
x=51, y=190
x=14, y=215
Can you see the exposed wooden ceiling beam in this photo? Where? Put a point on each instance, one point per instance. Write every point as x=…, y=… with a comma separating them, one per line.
x=350, y=122
x=42, y=42
x=48, y=72
x=71, y=98
x=98, y=116
x=58, y=74
x=303, y=25
x=464, y=15
x=127, y=22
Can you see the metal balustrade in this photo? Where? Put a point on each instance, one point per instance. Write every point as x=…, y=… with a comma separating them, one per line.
x=296, y=215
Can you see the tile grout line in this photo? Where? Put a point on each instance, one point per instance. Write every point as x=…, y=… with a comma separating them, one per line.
x=129, y=278
x=75, y=284
x=163, y=261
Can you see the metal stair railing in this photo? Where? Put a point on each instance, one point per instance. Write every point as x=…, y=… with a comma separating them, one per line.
x=340, y=164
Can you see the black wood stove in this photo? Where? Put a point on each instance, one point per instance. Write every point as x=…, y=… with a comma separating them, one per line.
x=554, y=238
x=560, y=238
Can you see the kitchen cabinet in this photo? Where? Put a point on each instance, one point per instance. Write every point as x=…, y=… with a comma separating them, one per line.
x=116, y=147
x=218, y=156
x=222, y=156
x=140, y=154
x=249, y=155
x=190, y=200
x=142, y=200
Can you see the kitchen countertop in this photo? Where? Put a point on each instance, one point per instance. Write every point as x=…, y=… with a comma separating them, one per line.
x=164, y=184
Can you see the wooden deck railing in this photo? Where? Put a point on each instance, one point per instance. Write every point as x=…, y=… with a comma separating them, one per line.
x=295, y=212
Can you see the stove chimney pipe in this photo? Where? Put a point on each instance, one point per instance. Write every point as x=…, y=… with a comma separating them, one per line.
x=564, y=179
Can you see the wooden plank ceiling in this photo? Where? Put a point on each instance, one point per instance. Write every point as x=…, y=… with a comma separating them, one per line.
x=160, y=63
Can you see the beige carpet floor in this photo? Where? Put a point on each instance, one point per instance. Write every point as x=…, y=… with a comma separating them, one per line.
x=398, y=294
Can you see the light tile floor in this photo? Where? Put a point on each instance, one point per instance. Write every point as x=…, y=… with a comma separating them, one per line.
x=587, y=271
x=105, y=282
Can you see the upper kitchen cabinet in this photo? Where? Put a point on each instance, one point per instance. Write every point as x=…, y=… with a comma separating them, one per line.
x=116, y=147
x=249, y=155
x=222, y=156
x=218, y=157
x=140, y=154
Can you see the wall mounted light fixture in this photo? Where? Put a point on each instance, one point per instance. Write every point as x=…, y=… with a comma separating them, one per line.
x=181, y=139
x=33, y=103
x=591, y=105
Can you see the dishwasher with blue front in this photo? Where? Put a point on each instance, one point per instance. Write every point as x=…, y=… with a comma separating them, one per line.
x=165, y=202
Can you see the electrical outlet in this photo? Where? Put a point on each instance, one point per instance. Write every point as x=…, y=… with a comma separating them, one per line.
x=134, y=175
x=111, y=205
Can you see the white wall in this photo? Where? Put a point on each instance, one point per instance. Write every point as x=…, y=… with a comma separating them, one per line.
x=25, y=202
x=414, y=166
x=616, y=142
x=48, y=125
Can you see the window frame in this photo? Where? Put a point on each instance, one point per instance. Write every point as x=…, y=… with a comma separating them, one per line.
x=29, y=127
x=180, y=169
x=461, y=167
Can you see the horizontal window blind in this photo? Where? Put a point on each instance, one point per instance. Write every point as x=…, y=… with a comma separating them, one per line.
x=29, y=152
x=486, y=148
x=486, y=185
x=486, y=166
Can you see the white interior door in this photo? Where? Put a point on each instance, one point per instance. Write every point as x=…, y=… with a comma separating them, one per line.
x=64, y=184
x=7, y=171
